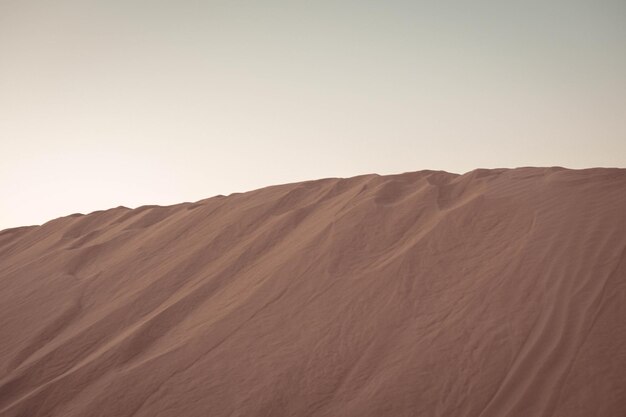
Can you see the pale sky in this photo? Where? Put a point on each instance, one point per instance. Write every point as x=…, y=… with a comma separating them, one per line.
x=123, y=102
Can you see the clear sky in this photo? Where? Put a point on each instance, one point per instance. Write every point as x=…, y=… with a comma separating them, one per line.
x=125, y=102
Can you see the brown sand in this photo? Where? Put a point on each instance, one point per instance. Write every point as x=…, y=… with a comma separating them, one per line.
x=495, y=293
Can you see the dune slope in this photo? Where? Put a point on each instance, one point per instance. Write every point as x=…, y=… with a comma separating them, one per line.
x=494, y=293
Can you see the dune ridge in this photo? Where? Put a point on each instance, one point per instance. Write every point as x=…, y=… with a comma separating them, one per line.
x=493, y=293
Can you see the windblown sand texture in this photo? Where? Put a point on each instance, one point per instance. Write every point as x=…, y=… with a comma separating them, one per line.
x=494, y=293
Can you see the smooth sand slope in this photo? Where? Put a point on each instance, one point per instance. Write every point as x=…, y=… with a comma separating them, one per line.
x=495, y=293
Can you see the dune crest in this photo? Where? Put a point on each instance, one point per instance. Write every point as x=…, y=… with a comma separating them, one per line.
x=493, y=293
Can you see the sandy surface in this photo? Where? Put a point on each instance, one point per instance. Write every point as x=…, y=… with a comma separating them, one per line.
x=495, y=293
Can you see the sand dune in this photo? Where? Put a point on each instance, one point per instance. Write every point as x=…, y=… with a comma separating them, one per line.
x=494, y=293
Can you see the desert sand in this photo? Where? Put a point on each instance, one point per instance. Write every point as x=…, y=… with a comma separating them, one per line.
x=494, y=293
